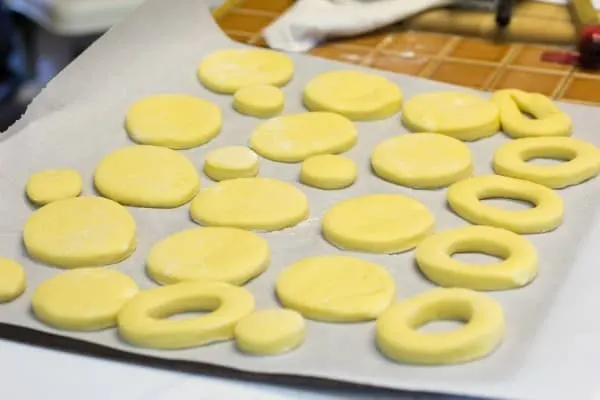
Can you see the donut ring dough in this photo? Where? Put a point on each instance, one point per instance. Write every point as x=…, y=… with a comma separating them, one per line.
x=270, y=332
x=177, y=121
x=53, y=184
x=377, y=223
x=463, y=116
x=397, y=336
x=217, y=254
x=336, y=288
x=82, y=231
x=422, y=160
x=357, y=95
x=518, y=267
x=231, y=162
x=465, y=197
x=328, y=171
x=293, y=138
x=227, y=71
x=12, y=280
x=581, y=160
x=144, y=319
x=147, y=176
x=250, y=203
x=260, y=101
x=86, y=299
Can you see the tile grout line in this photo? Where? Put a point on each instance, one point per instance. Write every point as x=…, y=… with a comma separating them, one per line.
x=561, y=88
x=368, y=58
x=502, y=66
x=436, y=60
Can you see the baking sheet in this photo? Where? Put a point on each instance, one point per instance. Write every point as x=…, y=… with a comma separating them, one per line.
x=79, y=118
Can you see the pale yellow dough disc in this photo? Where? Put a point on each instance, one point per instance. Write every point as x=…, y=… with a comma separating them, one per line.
x=259, y=101
x=358, y=95
x=270, y=332
x=86, y=299
x=328, y=171
x=294, y=138
x=79, y=232
x=177, y=121
x=54, y=184
x=147, y=176
x=336, y=288
x=217, y=254
x=231, y=162
x=12, y=280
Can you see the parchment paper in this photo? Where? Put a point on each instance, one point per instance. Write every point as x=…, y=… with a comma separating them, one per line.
x=552, y=337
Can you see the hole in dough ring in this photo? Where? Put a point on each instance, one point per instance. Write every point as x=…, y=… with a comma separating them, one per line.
x=518, y=267
x=397, y=336
x=581, y=160
x=143, y=320
x=465, y=197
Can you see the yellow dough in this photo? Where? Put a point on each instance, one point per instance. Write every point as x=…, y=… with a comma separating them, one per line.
x=231, y=162
x=378, y=223
x=54, y=184
x=177, y=121
x=463, y=116
x=12, y=280
x=397, y=336
x=86, y=299
x=250, y=203
x=581, y=160
x=294, y=138
x=465, y=197
x=226, y=71
x=548, y=119
x=259, y=101
x=144, y=321
x=269, y=332
x=358, y=95
x=328, y=171
x=422, y=160
x=147, y=176
x=518, y=267
x=83, y=231
x=336, y=288
x=217, y=254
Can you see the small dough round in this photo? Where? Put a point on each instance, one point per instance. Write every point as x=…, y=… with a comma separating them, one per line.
x=270, y=332
x=227, y=71
x=250, y=203
x=378, y=223
x=218, y=254
x=82, y=231
x=465, y=197
x=86, y=299
x=231, y=162
x=336, y=288
x=397, y=336
x=463, y=116
x=147, y=176
x=581, y=160
x=12, y=280
x=177, y=121
x=328, y=171
x=294, y=138
x=518, y=267
x=358, y=95
x=53, y=184
x=422, y=160
x=144, y=320
x=260, y=101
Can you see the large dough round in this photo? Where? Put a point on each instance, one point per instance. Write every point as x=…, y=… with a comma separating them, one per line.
x=231, y=162
x=53, y=184
x=328, y=171
x=12, y=280
x=269, y=332
x=260, y=101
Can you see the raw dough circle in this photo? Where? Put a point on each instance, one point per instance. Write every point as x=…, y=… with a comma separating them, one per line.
x=250, y=203
x=581, y=160
x=336, y=288
x=226, y=71
x=144, y=319
x=465, y=197
x=177, y=121
x=328, y=171
x=12, y=280
x=294, y=138
x=231, y=162
x=397, y=336
x=269, y=332
x=261, y=101
x=463, y=116
x=86, y=299
x=358, y=95
x=422, y=160
x=378, y=223
x=217, y=254
x=147, y=176
x=53, y=184
x=518, y=267
x=82, y=231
